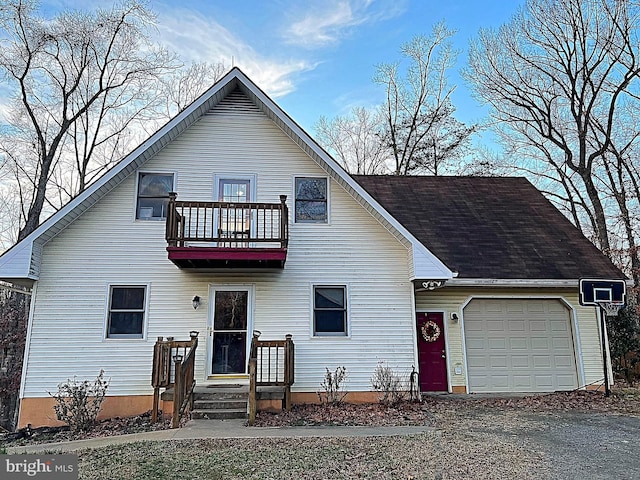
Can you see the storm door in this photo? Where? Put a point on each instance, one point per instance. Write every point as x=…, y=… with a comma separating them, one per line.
x=230, y=321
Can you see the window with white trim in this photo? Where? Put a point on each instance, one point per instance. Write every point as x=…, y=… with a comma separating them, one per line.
x=126, y=311
x=330, y=311
x=153, y=195
x=311, y=200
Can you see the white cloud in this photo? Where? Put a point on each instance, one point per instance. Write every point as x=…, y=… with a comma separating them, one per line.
x=327, y=22
x=197, y=38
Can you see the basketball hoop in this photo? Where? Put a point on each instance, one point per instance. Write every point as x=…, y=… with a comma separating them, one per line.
x=610, y=309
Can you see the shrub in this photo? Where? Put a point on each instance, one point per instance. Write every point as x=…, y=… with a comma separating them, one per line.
x=391, y=387
x=79, y=402
x=333, y=386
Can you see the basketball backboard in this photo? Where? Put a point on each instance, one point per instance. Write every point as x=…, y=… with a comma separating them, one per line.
x=598, y=291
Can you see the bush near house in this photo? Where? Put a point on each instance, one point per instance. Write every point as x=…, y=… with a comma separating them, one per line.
x=333, y=386
x=79, y=402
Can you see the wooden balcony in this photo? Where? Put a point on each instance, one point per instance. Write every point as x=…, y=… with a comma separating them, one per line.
x=217, y=235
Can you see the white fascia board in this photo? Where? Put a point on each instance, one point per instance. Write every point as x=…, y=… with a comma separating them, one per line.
x=436, y=269
x=513, y=283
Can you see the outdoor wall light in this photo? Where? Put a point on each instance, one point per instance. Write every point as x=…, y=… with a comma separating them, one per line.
x=454, y=317
x=195, y=302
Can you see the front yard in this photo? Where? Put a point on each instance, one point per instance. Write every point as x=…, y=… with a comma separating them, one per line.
x=558, y=436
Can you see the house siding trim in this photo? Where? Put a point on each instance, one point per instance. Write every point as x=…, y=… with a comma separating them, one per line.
x=27, y=344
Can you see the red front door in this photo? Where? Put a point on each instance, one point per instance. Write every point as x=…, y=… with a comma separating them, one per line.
x=431, y=352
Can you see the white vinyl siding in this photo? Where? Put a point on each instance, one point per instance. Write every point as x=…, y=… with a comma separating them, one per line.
x=104, y=246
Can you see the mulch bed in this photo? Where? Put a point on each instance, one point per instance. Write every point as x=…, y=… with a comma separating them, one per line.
x=104, y=428
x=622, y=401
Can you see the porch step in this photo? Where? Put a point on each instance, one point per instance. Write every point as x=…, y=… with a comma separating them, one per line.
x=220, y=402
x=215, y=404
x=219, y=414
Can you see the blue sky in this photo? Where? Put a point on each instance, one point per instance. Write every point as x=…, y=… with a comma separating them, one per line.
x=316, y=57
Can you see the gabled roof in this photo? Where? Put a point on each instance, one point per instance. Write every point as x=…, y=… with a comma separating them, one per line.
x=22, y=261
x=490, y=228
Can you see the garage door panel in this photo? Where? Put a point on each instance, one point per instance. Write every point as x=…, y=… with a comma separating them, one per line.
x=530, y=307
x=520, y=361
x=543, y=382
x=557, y=326
x=541, y=361
x=562, y=361
x=477, y=344
x=522, y=381
x=540, y=343
x=566, y=382
x=560, y=343
x=516, y=325
x=518, y=343
x=498, y=361
x=478, y=362
x=495, y=325
x=531, y=351
x=538, y=325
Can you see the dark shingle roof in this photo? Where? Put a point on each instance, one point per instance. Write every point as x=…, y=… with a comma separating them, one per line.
x=490, y=227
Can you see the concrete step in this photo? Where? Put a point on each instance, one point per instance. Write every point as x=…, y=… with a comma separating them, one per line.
x=221, y=393
x=213, y=404
x=219, y=413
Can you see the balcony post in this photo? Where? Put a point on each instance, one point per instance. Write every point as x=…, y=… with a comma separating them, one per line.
x=284, y=222
x=172, y=226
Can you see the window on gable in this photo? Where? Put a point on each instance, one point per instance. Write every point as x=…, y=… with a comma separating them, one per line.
x=330, y=311
x=311, y=200
x=126, y=312
x=153, y=195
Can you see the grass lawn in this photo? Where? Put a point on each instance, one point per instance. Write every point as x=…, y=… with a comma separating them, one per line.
x=412, y=457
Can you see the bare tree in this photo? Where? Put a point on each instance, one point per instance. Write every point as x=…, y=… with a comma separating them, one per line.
x=79, y=79
x=414, y=130
x=355, y=140
x=420, y=131
x=561, y=79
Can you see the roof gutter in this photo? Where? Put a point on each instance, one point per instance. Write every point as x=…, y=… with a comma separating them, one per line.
x=511, y=283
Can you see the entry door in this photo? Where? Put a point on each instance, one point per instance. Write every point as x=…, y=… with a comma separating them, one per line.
x=230, y=320
x=432, y=352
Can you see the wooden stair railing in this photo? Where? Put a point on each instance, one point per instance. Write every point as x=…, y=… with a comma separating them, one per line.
x=271, y=363
x=173, y=367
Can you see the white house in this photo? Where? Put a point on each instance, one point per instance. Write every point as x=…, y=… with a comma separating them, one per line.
x=474, y=288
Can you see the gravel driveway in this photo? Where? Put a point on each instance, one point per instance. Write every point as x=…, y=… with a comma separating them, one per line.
x=567, y=445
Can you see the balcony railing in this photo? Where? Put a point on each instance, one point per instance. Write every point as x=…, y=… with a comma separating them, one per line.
x=227, y=234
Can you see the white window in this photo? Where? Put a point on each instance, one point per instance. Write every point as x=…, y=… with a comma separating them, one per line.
x=153, y=195
x=311, y=200
x=126, y=311
x=330, y=310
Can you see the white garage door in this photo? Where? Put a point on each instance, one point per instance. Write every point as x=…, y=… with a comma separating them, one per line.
x=518, y=345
